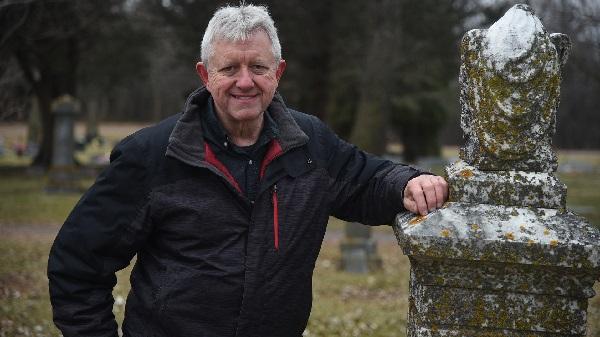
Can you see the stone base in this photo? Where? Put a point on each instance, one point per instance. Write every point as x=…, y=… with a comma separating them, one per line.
x=509, y=188
x=64, y=179
x=489, y=270
x=469, y=300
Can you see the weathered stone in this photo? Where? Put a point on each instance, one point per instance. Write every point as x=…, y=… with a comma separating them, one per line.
x=530, y=279
x=510, y=188
x=500, y=310
x=504, y=257
x=479, y=269
x=510, y=85
x=504, y=234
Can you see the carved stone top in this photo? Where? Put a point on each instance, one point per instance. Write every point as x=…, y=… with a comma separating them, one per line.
x=510, y=85
x=65, y=105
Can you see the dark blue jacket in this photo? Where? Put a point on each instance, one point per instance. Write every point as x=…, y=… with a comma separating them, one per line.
x=209, y=263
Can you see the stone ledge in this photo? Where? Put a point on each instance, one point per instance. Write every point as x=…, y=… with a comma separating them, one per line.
x=509, y=188
x=505, y=234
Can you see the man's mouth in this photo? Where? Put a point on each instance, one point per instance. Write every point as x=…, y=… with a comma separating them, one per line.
x=244, y=97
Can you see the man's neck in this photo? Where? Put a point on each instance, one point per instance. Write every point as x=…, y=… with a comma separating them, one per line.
x=242, y=133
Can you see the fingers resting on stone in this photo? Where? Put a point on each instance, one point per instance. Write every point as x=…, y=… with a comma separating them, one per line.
x=425, y=193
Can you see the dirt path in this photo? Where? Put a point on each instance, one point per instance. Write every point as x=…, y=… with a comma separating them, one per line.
x=36, y=232
x=48, y=232
x=334, y=236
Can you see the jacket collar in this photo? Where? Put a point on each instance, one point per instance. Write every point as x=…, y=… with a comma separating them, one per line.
x=186, y=142
x=215, y=134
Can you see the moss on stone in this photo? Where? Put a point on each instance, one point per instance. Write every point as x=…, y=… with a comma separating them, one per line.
x=520, y=137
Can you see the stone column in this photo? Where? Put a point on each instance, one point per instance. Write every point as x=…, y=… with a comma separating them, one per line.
x=504, y=257
x=62, y=175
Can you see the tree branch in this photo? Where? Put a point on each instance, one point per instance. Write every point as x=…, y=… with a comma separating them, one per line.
x=7, y=3
x=6, y=35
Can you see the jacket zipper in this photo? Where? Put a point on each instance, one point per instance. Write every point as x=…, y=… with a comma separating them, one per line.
x=275, y=202
x=275, y=218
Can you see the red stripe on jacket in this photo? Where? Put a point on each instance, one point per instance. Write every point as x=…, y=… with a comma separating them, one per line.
x=273, y=152
x=212, y=159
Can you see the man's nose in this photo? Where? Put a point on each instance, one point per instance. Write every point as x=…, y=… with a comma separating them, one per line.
x=245, y=79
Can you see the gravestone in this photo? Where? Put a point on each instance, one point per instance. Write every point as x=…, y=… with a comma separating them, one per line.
x=504, y=257
x=359, y=250
x=1, y=146
x=63, y=174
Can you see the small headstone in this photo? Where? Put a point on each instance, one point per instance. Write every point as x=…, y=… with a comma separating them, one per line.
x=504, y=257
x=359, y=250
x=64, y=109
x=63, y=173
x=1, y=146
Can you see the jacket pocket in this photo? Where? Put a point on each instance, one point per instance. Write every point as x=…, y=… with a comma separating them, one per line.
x=195, y=301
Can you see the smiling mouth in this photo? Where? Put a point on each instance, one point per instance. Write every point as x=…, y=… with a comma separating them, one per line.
x=244, y=97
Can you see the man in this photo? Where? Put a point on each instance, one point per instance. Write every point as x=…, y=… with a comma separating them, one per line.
x=225, y=205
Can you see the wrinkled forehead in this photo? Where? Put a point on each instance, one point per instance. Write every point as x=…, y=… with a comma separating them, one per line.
x=256, y=44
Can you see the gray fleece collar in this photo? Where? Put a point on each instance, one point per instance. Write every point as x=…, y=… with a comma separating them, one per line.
x=186, y=141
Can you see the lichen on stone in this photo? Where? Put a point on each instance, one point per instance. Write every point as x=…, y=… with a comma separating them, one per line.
x=417, y=219
x=510, y=85
x=510, y=188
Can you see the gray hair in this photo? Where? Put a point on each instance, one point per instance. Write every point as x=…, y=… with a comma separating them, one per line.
x=238, y=24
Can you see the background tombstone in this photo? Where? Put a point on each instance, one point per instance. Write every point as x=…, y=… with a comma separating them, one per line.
x=504, y=257
x=62, y=176
x=1, y=146
x=359, y=249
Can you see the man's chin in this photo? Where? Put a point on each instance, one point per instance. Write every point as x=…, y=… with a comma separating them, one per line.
x=247, y=115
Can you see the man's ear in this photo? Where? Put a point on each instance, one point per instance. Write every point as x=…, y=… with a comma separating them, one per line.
x=280, y=69
x=202, y=72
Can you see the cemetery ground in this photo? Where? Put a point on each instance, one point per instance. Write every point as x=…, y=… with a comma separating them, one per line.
x=343, y=304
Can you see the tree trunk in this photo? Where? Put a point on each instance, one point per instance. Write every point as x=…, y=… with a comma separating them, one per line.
x=43, y=159
x=368, y=132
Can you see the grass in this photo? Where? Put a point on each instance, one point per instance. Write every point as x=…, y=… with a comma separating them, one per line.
x=24, y=302
x=583, y=194
x=360, y=305
x=25, y=201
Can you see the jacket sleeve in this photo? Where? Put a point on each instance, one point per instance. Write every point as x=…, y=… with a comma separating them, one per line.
x=364, y=187
x=100, y=237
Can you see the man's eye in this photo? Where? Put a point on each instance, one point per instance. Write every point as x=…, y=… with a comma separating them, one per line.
x=227, y=70
x=259, y=69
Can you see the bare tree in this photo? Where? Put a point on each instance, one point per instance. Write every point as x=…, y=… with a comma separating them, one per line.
x=47, y=39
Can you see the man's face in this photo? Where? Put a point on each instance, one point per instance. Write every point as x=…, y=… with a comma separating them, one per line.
x=242, y=77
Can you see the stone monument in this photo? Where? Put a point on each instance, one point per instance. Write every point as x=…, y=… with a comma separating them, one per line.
x=359, y=250
x=62, y=175
x=504, y=257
